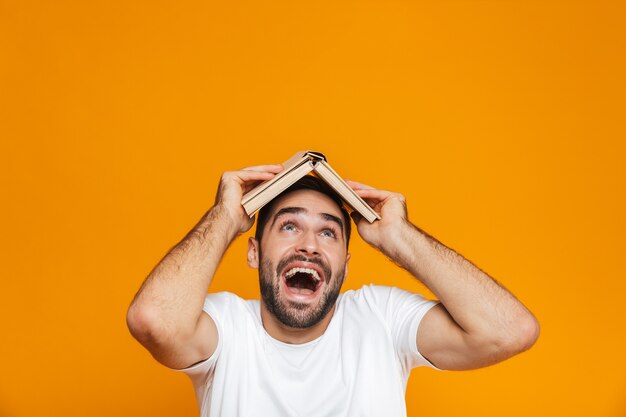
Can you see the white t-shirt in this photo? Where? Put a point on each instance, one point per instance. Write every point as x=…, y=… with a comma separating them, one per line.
x=358, y=367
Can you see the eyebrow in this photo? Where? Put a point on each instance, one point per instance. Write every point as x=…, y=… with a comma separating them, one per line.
x=288, y=210
x=333, y=218
x=298, y=210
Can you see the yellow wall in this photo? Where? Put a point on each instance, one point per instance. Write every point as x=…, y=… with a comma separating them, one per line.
x=501, y=121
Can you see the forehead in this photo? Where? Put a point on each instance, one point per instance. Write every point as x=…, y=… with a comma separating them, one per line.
x=314, y=201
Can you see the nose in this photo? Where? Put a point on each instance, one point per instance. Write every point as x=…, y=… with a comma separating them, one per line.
x=307, y=244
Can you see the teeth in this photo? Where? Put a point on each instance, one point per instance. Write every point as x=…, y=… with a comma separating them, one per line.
x=309, y=271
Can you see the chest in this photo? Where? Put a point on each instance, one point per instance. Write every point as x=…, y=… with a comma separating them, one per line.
x=351, y=370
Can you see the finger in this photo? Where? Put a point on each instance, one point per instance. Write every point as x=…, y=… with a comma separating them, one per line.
x=275, y=168
x=247, y=176
x=359, y=185
x=351, y=184
x=372, y=202
x=373, y=194
x=249, y=186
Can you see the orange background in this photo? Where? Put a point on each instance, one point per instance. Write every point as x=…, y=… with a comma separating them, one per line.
x=501, y=121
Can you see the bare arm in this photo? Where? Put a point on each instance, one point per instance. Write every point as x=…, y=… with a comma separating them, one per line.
x=166, y=315
x=479, y=322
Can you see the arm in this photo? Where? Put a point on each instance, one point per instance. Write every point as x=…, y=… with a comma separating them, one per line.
x=166, y=315
x=478, y=322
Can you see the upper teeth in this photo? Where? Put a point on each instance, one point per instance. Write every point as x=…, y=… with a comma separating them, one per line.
x=309, y=271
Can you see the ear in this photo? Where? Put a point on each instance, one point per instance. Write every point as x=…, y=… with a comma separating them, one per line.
x=345, y=274
x=253, y=253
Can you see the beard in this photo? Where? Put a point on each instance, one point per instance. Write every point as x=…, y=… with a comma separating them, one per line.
x=294, y=314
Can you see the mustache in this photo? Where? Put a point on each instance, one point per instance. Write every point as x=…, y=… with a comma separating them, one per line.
x=301, y=258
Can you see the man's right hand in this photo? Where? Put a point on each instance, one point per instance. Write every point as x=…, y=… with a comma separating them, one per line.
x=234, y=184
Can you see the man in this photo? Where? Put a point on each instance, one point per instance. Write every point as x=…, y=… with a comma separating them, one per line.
x=306, y=350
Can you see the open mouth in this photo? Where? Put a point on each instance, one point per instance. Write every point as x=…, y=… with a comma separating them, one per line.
x=304, y=281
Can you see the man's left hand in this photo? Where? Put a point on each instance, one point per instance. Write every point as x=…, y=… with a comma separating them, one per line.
x=392, y=209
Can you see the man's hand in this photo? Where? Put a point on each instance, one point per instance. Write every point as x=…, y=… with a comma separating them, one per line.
x=392, y=209
x=234, y=185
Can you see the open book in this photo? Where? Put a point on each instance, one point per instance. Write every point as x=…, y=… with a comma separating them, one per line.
x=297, y=167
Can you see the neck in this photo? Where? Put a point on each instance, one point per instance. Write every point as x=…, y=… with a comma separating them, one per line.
x=293, y=335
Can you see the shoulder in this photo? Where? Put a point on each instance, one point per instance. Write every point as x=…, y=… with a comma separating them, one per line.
x=374, y=294
x=386, y=300
x=368, y=298
x=224, y=297
x=367, y=291
x=219, y=305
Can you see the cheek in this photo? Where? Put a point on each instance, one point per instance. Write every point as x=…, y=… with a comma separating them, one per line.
x=277, y=246
x=338, y=265
x=266, y=272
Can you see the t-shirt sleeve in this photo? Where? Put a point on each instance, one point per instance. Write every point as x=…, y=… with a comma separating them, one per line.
x=403, y=311
x=218, y=306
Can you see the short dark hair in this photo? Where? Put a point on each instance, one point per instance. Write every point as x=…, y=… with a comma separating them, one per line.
x=308, y=182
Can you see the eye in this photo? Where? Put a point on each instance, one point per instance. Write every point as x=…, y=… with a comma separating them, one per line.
x=329, y=233
x=288, y=226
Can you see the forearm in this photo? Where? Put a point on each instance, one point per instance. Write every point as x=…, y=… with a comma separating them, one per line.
x=476, y=302
x=171, y=298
